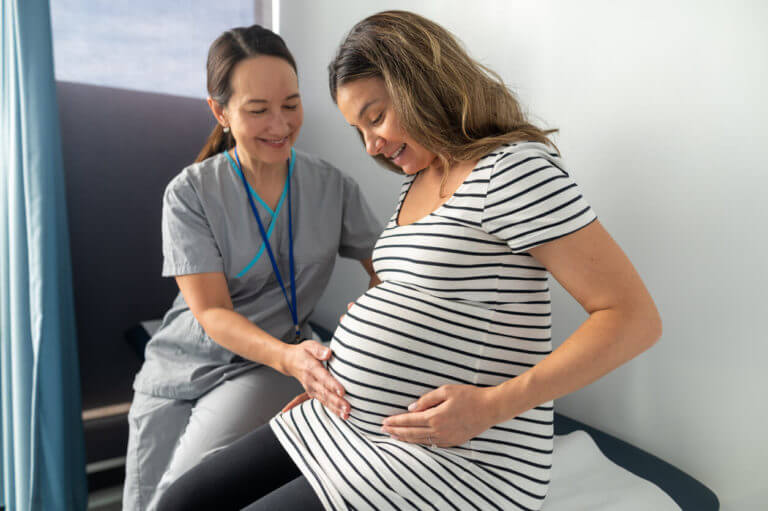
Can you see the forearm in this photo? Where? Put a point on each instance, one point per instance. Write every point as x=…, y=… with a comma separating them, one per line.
x=605, y=341
x=303, y=361
x=368, y=265
x=239, y=335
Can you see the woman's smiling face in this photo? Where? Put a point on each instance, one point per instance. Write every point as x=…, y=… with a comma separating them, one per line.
x=367, y=106
x=264, y=112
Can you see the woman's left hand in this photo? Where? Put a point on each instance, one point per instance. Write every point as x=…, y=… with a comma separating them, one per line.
x=447, y=416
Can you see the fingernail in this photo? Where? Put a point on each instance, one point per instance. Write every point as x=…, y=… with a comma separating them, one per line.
x=326, y=352
x=411, y=407
x=338, y=392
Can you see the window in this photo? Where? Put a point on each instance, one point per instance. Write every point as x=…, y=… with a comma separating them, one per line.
x=148, y=45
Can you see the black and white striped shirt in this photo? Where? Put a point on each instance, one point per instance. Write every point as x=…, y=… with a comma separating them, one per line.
x=461, y=302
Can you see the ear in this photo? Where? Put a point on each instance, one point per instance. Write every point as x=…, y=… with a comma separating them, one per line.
x=219, y=111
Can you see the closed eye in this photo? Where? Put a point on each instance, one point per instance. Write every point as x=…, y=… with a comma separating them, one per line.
x=378, y=119
x=257, y=111
x=291, y=107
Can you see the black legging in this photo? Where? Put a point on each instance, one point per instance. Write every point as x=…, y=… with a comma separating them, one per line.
x=255, y=470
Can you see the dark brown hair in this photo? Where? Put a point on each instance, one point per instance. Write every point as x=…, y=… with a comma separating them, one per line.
x=229, y=49
x=447, y=102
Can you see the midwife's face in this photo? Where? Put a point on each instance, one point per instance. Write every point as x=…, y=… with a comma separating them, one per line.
x=366, y=105
x=265, y=111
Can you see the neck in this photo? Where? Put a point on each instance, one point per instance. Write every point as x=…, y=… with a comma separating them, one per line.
x=436, y=171
x=450, y=178
x=258, y=171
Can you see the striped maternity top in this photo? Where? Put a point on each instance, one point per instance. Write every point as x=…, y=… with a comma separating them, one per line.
x=461, y=302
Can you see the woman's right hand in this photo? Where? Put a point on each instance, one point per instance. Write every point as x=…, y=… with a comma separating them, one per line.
x=303, y=361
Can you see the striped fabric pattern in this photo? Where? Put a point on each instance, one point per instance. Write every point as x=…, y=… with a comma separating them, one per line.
x=461, y=302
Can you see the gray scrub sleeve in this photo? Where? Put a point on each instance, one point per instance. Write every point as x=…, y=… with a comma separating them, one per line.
x=359, y=227
x=188, y=243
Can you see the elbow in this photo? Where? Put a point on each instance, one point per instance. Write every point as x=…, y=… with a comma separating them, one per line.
x=650, y=326
x=207, y=319
x=640, y=324
x=657, y=329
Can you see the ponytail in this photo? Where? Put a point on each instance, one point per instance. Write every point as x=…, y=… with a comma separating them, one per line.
x=218, y=141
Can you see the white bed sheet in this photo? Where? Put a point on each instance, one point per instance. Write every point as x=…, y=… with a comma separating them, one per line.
x=584, y=479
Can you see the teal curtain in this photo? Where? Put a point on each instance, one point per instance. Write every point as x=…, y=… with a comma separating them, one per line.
x=41, y=435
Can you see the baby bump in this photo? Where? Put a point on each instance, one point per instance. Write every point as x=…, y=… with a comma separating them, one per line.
x=391, y=349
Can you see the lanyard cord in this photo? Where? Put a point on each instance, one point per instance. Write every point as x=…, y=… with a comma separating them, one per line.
x=291, y=302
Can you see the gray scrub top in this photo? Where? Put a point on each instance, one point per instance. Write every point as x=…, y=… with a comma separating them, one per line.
x=208, y=226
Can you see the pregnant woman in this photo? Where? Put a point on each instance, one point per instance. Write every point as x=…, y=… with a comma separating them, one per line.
x=447, y=364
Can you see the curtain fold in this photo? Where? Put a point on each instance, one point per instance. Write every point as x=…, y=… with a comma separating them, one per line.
x=41, y=433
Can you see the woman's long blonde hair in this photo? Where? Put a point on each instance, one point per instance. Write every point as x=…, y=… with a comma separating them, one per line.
x=446, y=101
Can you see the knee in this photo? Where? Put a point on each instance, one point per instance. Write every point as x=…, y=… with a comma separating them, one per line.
x=178, y=497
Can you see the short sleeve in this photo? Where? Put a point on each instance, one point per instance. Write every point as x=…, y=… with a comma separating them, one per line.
x=531, y=199
x=188, y=242
x=360, y=229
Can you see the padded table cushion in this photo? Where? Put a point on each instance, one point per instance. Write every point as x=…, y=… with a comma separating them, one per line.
x=583, y=479
x=686, y=491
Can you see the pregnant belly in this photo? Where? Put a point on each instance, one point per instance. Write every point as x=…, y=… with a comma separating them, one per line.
x=389, y=350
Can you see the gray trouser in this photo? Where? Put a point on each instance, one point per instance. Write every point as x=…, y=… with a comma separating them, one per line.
x=167, y=437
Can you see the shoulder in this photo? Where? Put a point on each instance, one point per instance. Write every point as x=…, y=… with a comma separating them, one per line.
x=317, y=167
x=528, y=155
x=190, y=185
x=322, y=175
x=198, y=176
x=524, y=172
x=518, y=167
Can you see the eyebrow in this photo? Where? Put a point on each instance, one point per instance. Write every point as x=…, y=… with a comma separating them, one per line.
x=292, y=96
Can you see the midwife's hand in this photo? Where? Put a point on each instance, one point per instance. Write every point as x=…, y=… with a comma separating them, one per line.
x=303, y=361
x=447, y=416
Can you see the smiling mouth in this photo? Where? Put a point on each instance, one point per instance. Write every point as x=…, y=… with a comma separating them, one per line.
x=277, y=142
x=398, y=152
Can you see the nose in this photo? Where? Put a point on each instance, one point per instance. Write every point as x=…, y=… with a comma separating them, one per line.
x=373, y=144
x=279, y=124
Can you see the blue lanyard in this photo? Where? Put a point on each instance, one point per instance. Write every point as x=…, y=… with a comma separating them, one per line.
x=292, y=302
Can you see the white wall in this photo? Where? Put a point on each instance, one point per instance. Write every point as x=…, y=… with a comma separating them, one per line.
x=662, y=109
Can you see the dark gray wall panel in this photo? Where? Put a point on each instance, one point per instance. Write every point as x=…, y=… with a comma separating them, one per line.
x=120, y=149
